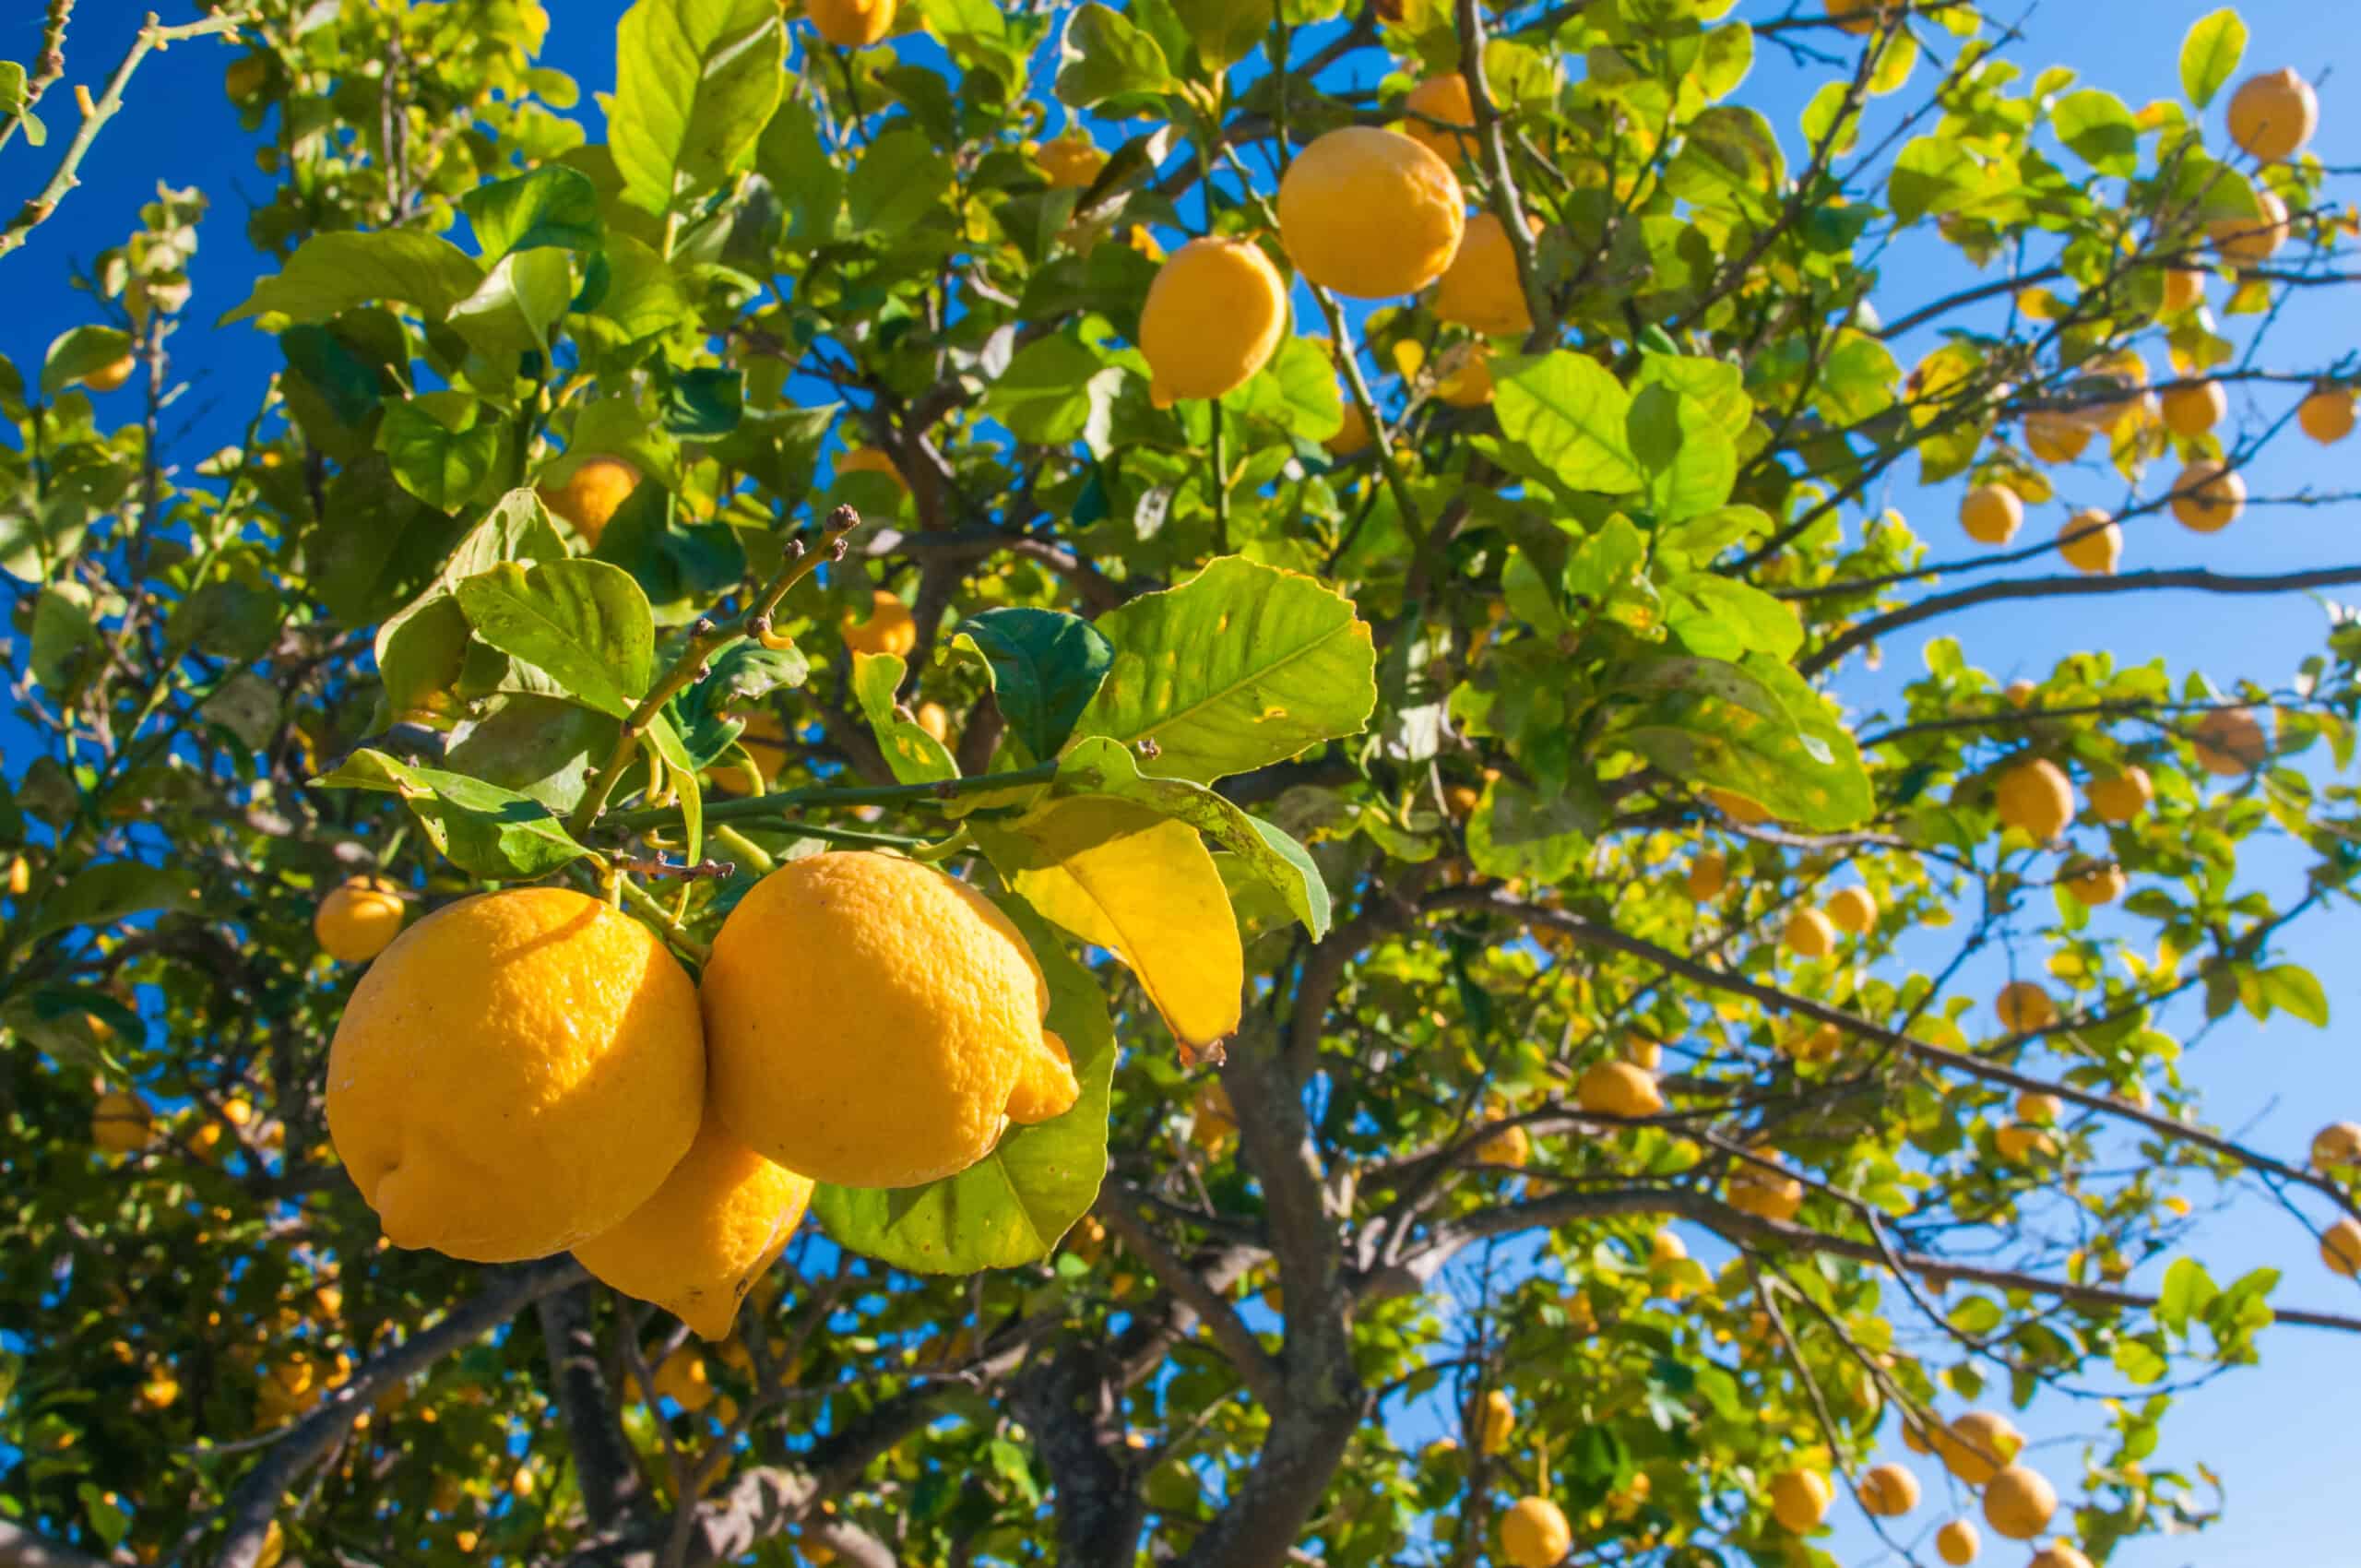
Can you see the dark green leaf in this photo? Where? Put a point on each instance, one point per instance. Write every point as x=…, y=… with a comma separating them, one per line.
x=551, y=206
x=485, y=831
x=1044, y=666
x=1104, y=56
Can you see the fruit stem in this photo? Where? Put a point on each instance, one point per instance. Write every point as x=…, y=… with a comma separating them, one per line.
x=652, y=908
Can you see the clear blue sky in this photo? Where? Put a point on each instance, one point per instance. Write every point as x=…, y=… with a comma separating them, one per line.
x=2281, y=1436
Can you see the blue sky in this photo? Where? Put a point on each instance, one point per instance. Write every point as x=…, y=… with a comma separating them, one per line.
x=2279, y=1435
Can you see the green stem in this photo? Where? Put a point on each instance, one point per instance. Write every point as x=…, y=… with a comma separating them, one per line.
x=648, y=905
x=744, y=849
x=761, y=807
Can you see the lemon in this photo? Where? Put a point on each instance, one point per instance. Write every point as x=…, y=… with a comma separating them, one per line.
x=1665, y=1249
x=1708, y=875
x=720, y=1220
x=2023, y=1007
x=2058, y=1554
x=851, y=24
x=870, y=460
x=1495, y=1422
x=2018, y=1502
x=1767, y=1196
x=2041, y=1109
x=121, y=1123
x=516, y=1074
x=1481, y=290
x=1214, y=317
x=1369, y=213
x=2340, y=1247
x=2092, y=542
x=2230, y=742
x=874, y=1022
x=355, y=921
x=681, y=1378
x=889, y=629
x=2019, y=1143
x=935, y=719
x=1511, y=1146
x=1618, y=1088
x=1957, y=1543
x=2250, y=242
x=589, y=497
x=111, y=376
x=1464, y=376
x=1852, y=909
x=1991, y=513
x=2035, y=798
x=2121, y=796
x=2327, y=415
x=1071, y=162
x=2208, y=497
x=1799, y=1499
x=1351, y=436
x=2274, y=115
x=1809, y=934
x=765, y=738
x=1446, y=99
x=2338, y=1144
x=2093, y=883
x=1889, y=1492
x=2192, y=411
x=2054, y=437
x=1533, y=1532
x=2184, y=287
x=1976, y=1445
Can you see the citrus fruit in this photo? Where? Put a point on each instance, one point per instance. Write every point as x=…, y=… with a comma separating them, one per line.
x=2338, y=1144
x=2017, y=1142
x=1464, y=376
x=1495, y=1422
x=1071, y=162
x=2274, y=115
x=2041, y=1109
x=2023, y=1007
x=1533, y=1532
x=2208, y=497
x=1665, y=1249
x=2055, y=437
x=2340, y=1247
x=1351, y=436
x=1446, y=99
x=356, y=920
x=1799, y=1499
x=1511, y=1146
x=2018, y=1502
x=715, y=1225
x=1889, y=1490
x=1618, y=1088
x=2035, y=798
x=1976, y=1445
x=765, y=738
x=1764, y=1194
x=1808, y=935
x=1480, y=289
x=870, y=460
x=2193, y=410
x=1214, y=317
x=121, y=1123
x=2121, y=796
x=1991, y=513
x=111, y=376
x=1957, y=1543
x=1852, y=909
x=2092, y=543
x=2093, y=883
x=2184, y=287
x=2058, y=1554
x=515, y=1074
x=681, y=1378
x=2327, y=415
x=2230, y=742
x=1369, y=213
x=2250, y=242
x=589, y=497
x=889, y=628
x=874, y=1022
x=852, y=24
x=1708, y=875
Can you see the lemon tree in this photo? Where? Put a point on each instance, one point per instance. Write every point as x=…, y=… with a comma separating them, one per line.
x=1004, y=784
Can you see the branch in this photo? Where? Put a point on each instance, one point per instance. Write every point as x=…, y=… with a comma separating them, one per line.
x=593, y=1427
x=2065, y=587
x=1508, y=202
x=1117, y=1205
x=48, y=66
x=19, y=1548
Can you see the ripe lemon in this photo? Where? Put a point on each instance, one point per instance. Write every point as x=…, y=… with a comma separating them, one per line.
x=874, y=1022
x=2122, y=797
x=935, y=719
x=1643, y=1053
x=720, y=1220
x=2023, y=1007
x=591, y=495
x=2041, y=1109
x=2058, y=1554
x=870, y=460
x=2018, y=1502
x=1889, y=1490
x=1465, y=373
x=121, y=1123
x=1708, y=875
x=889, y=629
x=1814, y=1042
x=852, y=24
x=2035, y=796
x=2230, y=742
x=1852, y=909
x=1214, y=317
x=1618, y=1088
x=1738, y=808
x=2055, y=437
x=2338, y=1144
x=111, y=376
x=2092, y=543
x=1481, y=290
x=1071, y=162
x=1369, y=213
x=2093, y=883
x=514, y=1075
x=1753, y=1189
x=2193, y=410
x=2184, y=287
x=2340, y=1247
x=2019, y=1143
x=1511, y=1146
x=355, y=921
x=1495, y=1422
x=1351, y=436
x=1808, y=935
x=681, y=1378
x=2250, y=242
x=1446, y=99
x=1860, y=16
x=1957, y=1543
x=1533, y=1532
x=1976, y=1445
x=2274, y=115
x=2327, y=415
x=1799, y=1499
x=1665, y=1249
x=2208, y=497
x=2019, y=693
x=1991, y=513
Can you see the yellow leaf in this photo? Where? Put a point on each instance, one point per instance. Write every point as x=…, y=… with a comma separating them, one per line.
x=2042, y=305
x=1143, y=888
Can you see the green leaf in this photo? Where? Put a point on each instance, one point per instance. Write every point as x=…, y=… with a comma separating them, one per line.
x=792, y=158
x=1690, y=461
x=1104, y=56
x=2141, y=1362
x=1572, y=414
x=695, y=81
x=2100, y=130
x=666, y=742
x=539, y=746
x=102, y=894
x=2188, y=1291
x=332, y=273
x=1933, y=174
x=441, y=450
x=1717, y=384
x=898, y=181
x=77, y=351
x=1012, y=1206
x=1857, y=380
x=485, y=831
x=704, y=405
x=1052, y=390
x=2211, y=52
x=63, y=626
x=915, y=756
x=1044, y=666
x=1296, y=391
x=1722, y=618
x=2291, y=987
x=1225, y=32
x=1100, y=766
x=553, y=205
x=1241, y=665
x=1516, y=831
x=1708, y=732
x=517, y=310
x=584, y=623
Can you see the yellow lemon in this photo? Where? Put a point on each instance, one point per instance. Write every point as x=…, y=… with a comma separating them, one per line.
x=2041, y=1109
x=1351, y=436
x=111, y=378
x=1533, y=1532
x=2035, y=798
x=1852, y=909
x=2208, y=497
x=1511, y=1146
x=1071, y=162
x=720, y=1220
x=851, y=24
x=935, y=719
x=2092, y=543
x=2327, y=415
x=2058, y=1554
x=121, y=1123
x=2340, y=1247
x=514, y=1075
x=2230, y=742
x=356, y=920
x=2121, y=796
x=1708, y=875
x=2274, y=115
x=889, y=629
x=1753, y=1189
x=1799, y=1499
x=591, y=495
x=1495, y=1422
x=765, y=738
x=1976, y=1445
x=1369, y=213
x=1991, y=513
x=2093, y=883
x=2023, y=1007
x=1465, y=374
x=681, y=1378
x=2018, y=1143
x=2055, y=437
x=2338, y=1144
x=1809, y=934
x=1444, y=99
x=1665, y=1249
x=874, y=1022
x=1957, y=1543
x=2250, y=242
x=2193, y=410
x=2184, y=287
x=1214, y=317
x=1889, y=1492
x=2018, y=1502
x=1481, y=290
x=1618, y=1088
